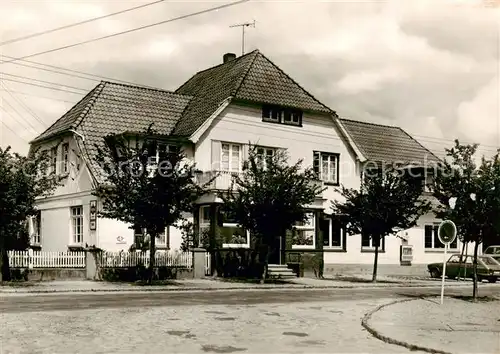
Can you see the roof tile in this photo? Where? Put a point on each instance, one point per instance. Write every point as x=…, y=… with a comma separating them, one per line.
x=383, y=143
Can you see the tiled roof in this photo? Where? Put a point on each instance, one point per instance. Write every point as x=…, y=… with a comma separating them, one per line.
x=251, y=77
x=118, y=108
x=71, y=118
x=383, y=143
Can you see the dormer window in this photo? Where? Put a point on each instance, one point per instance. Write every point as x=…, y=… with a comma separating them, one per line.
x=277, y=114
x=160, y=151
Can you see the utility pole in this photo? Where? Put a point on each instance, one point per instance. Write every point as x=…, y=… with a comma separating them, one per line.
x=243, y=25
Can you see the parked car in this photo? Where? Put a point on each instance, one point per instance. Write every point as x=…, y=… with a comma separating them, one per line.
x=493, y=251
x=487, y=268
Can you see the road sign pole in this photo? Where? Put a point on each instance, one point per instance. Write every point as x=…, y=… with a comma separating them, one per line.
x=447, y=232
x=444, y=272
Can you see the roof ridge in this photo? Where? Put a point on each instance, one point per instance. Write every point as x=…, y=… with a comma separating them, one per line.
x=91, y=92
x=98, y=89
x=150, y=88
x=370, y=123
x=296, y=83
x=213, y=67
x=245, y=74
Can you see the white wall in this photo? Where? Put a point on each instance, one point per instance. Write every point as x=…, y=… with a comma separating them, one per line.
x=243, y=124
x=56, y=220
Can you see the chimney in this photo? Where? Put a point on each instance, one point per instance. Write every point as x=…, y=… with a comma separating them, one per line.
x=228, y=57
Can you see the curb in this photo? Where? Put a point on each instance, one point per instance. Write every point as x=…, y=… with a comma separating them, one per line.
x=232, y=288
x=378, y=335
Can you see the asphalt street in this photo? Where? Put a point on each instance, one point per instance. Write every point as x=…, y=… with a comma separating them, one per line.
x=79, y=301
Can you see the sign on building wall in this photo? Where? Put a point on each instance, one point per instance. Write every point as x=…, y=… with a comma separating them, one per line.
x=406, y=253
x=120, y=240
x=93, y=214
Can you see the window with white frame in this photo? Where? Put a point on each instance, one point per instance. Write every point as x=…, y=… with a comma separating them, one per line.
x=158, y=153
x=161, y=150
x=230, y=157
x=233, y=235
x=265, y=155
x=65, y=158
x=326, y=167
x=204, y=222
x=367, y=243
x=304, y=233
x=77, y=225
x=141, y=235
x=53, y=159
x=36, y=228
x=333, y=234
x=277, y=114
x=431, y=239
x=163, y=239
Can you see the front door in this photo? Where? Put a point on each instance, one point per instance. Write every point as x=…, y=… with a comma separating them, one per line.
x=275, y=251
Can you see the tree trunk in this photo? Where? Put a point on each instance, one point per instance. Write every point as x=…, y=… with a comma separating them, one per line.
x=4, y=265
x=474, y=274
x=375, y=263
x=461, y=259
x=152, y=249
x=266, y=263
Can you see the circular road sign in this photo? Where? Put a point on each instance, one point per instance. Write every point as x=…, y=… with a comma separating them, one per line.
x=447, y=232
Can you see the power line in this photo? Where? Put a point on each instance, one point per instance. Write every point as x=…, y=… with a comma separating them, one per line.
x=24, y=105
x=19, y=136
x=42, y=86
x=38, y=96
x=20, y=116
x=53, y=71
x=216, y=8
x=43, y=81
x=10, y=41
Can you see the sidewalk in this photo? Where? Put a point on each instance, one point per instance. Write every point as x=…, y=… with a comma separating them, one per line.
x=457, y=326
x=206, y=285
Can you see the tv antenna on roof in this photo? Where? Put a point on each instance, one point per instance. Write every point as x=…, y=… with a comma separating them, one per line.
x=243, y=25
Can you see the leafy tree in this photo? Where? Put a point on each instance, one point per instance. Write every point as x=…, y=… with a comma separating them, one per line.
x=387, y=202
x=476, y=192
x=268, y=198
x=144, y=192
x=22, y=180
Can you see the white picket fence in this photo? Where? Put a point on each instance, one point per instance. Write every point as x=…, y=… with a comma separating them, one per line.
x=43, y=259
x=174, y=259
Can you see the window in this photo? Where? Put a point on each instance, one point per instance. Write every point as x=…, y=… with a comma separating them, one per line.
x=367, y=243
x=428, y=182
x=271, y=113
x=160, y=151
x=304, y=233
x=139, y=236
x=77, y=225
x=204, y=221
x=333, y=233
x=431, y=239
x=36, y=228
x=233, y=235
x=265, y=155
x=53, y=160
x=163, y=239
x=65, y=158
x=230, y=157
x=277, y=114
x=326, y=167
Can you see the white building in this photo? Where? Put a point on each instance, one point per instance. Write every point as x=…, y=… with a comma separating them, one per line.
x=214, y=116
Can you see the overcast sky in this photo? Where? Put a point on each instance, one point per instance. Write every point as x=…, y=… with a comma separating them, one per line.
x=431, y=67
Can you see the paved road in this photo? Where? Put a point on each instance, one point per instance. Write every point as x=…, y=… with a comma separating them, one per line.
x=75, y=301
